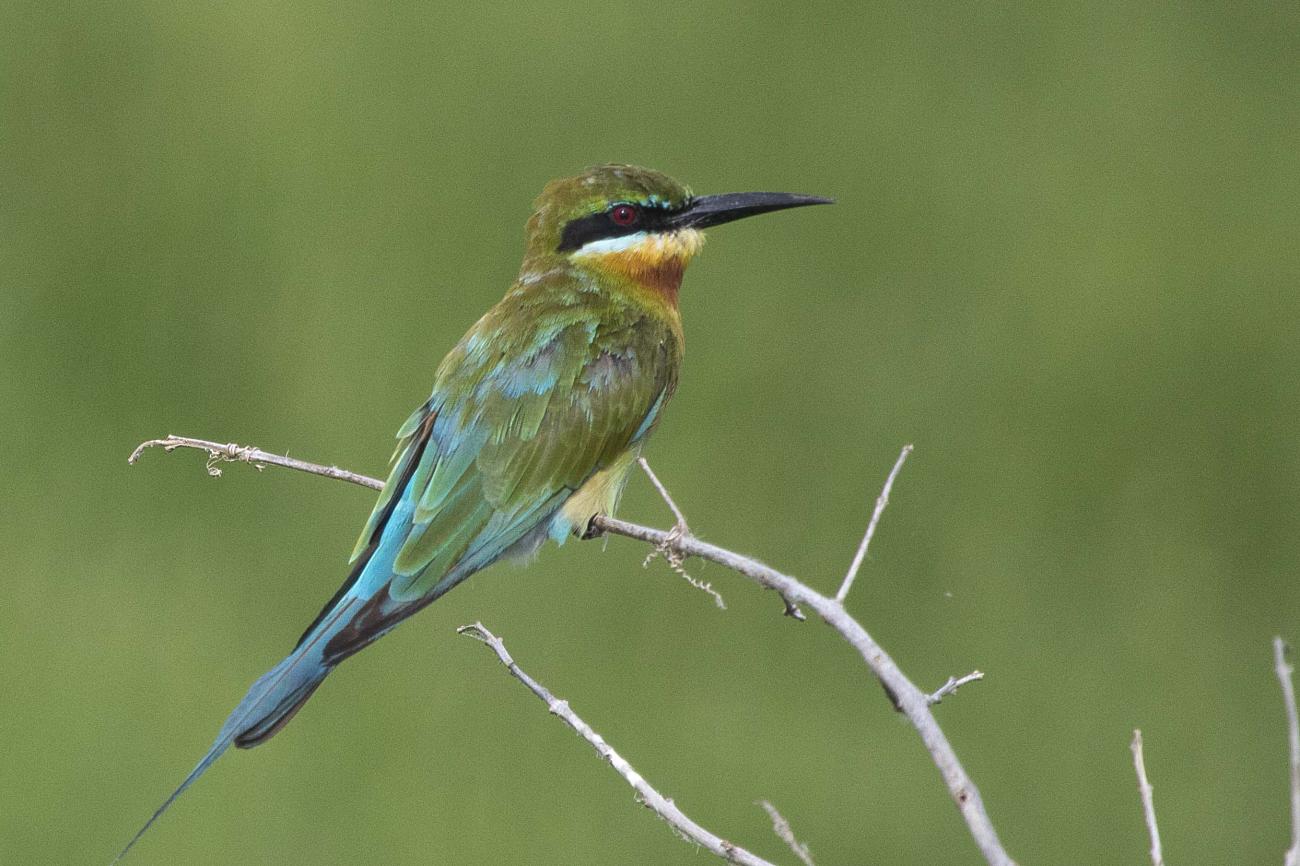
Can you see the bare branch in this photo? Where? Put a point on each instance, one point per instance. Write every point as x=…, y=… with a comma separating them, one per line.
x=952, y=685
x=652, y=799
x=1284, y=670
x=781, y=827
x=1148, y=805
x=911, y=701
x=881, y=501
x=233, y=453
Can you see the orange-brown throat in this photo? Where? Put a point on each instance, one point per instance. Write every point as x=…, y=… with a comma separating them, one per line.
x=654, y=262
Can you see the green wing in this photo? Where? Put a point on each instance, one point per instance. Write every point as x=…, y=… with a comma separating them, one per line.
x=527, y=407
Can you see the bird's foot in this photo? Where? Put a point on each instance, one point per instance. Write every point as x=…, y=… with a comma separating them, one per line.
x=593, y=530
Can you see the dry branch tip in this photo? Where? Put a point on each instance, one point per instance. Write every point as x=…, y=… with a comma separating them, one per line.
x=881, y=501
x=1148, y=803
x=781, y=827
x=952, y=685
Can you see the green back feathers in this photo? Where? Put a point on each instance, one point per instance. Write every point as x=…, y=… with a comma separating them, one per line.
x=553, y=384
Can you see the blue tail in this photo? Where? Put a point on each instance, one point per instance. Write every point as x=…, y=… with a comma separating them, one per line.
x=268, y=706
x=361, y=612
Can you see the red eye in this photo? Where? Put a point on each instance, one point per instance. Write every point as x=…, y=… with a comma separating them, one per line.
x=624, y=215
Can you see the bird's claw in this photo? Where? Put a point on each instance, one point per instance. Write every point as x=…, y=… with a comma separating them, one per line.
x=593, y=530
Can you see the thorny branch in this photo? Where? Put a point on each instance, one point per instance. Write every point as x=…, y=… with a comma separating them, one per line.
x=909, y=699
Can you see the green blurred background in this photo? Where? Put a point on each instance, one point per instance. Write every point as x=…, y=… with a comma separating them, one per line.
x=1063, y=264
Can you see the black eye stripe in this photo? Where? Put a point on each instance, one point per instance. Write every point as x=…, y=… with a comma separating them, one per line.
x=598, y=226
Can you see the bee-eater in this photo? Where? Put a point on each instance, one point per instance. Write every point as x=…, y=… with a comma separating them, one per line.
x=536, y=417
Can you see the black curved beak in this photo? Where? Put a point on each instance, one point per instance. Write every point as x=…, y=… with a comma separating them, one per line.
x=712, y=210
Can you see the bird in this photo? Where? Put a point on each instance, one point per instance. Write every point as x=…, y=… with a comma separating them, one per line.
x=535, y=419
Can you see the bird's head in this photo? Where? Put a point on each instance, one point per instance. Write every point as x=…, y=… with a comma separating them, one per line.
x=635, y=224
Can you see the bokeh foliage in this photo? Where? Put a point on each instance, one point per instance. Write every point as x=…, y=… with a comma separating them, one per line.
x=1063, y=264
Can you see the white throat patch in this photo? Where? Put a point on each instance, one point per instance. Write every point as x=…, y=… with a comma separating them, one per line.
x=612, y=245
x=654, y=246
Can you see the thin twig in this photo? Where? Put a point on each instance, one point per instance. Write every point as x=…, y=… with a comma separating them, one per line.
x=952, y=685
x=911, y=701
x=233, y=453
x=682, y=529
x=652, y=799
x=1284, y=671
x=781, y=827
x=663, y=491
x=670, y=552
x=881, y=501
x=1148, y=805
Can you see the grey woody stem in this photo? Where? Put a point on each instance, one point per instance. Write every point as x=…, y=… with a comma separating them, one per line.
x=910, y=700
